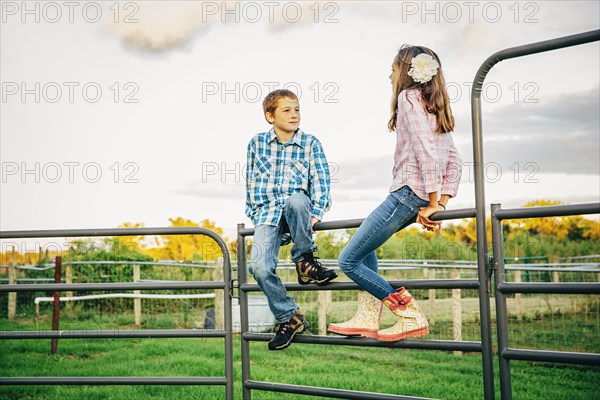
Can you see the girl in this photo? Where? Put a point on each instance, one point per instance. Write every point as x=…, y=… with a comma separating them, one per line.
x=426, y=174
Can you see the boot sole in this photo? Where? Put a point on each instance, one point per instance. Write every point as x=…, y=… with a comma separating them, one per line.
x=322, y=282
x=289, y=342
x=366, y=333
x=400, y=336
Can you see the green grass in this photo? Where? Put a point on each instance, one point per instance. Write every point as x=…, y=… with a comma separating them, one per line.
x=398, y=371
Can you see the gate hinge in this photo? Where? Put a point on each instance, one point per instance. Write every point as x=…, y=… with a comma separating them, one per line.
x=233, y=285
x=492, y=266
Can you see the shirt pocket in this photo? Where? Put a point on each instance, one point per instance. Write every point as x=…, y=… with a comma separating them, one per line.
x=263, y=167
x=297, y=171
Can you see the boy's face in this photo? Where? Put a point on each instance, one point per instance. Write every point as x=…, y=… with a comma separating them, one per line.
x=286, y=117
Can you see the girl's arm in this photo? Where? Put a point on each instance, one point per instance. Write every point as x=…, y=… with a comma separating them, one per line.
x=434, y=206
x=453, y=172
x=451, y=179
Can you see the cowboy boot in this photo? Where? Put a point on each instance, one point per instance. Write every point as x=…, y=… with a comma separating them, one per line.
x=412, y=322
x=365, y=322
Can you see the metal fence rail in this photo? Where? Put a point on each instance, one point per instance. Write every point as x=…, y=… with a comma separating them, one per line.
x=443, y=345
x=224, y=285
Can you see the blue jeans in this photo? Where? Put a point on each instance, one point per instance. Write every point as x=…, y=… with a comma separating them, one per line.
x=296, y=220
x=358, y=260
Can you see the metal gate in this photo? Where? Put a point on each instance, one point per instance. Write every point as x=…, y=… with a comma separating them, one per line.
x=225, y=285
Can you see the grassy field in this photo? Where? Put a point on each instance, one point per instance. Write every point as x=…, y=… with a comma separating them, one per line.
x=408, y=372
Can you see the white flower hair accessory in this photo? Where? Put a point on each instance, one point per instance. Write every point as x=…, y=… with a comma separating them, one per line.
x=422, y=68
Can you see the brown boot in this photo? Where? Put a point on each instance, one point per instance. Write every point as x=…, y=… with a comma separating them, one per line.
x=310, y=270
x=412, y=322
x=365, y=322
x=287, y=330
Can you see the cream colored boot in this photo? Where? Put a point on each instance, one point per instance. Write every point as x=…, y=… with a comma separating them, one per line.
x=365, y=322
x=412, y=322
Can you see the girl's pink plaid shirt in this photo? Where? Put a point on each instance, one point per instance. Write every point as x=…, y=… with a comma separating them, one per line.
x=424, y=160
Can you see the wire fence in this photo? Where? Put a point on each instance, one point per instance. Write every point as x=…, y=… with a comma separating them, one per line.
x=538, y=321
x=159, y=309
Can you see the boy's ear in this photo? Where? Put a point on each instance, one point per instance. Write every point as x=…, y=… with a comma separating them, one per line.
x=269, y=117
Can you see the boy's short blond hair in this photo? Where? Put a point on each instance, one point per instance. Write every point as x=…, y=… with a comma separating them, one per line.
x=270, y=102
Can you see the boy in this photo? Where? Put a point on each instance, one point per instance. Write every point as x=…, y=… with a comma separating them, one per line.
x=287, y=193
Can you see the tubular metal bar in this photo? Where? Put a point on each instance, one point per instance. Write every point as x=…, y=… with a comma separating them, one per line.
x=111, y=380
x=59, y=287
x=549, y=211
x=482, y=252
x=550, y=287
x=552, y=356
x=482, y=256
x=227, y=318
x=325, y=392
x=355, y=223
x=501, y=308
x=528, y=49
x=243, y=299
x=444, y=345
x=112, y=334
x=185, y=230
x=409, y=284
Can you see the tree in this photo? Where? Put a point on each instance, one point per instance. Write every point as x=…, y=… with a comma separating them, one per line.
x=136, y=242
x=572, y=227
x=188, y=247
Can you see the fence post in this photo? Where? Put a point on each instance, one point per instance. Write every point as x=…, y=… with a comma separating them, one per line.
x=555, y=274
x=137, y=302
x=69, y=280
x=219, y=311
x=12, y=280
x=432, y=298
x=456, y=311
x=518, y=297
x=56, y=310
x=324, y=299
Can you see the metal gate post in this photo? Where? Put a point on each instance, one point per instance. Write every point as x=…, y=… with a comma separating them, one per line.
x=482, y=252
x=243, y=299
x=501, y=309
x=227, y=314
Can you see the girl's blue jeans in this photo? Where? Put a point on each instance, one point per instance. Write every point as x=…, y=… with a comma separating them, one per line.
x=358, y=260
x=296, y=220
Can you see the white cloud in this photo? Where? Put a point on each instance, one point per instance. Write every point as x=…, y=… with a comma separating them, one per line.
x=172, y=131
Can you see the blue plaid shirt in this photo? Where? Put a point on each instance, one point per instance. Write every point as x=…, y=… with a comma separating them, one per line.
x=275, y=170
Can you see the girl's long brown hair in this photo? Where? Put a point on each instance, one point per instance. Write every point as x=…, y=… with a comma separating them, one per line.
x=433, y=92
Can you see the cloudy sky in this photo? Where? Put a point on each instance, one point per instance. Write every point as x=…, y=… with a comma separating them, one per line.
x=141, y=111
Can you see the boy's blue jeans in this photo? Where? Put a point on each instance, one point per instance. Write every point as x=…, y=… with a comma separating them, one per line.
x=358, y=260
x=296, y=220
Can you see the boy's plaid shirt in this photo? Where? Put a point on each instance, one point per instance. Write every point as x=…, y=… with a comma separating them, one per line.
x=275, y=170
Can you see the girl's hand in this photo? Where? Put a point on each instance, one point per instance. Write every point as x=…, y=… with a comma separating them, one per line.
x=425, y=213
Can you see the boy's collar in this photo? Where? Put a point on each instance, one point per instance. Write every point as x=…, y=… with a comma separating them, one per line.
x=296, y=139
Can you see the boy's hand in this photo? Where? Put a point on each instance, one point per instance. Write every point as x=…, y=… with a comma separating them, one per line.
x=313, y=222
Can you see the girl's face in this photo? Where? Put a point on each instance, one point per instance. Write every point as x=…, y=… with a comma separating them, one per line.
x=395, y=75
